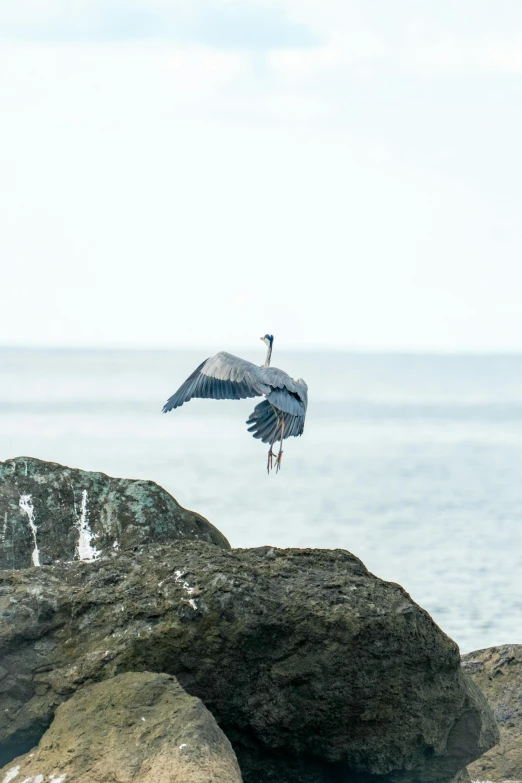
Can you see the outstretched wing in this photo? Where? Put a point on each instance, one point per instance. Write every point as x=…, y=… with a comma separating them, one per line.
x=282, y=414
x=221, y=377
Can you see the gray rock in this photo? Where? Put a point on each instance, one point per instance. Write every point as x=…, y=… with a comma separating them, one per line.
x=315, y=669
x=50, y=512
x=498, y=672
x=134, y=727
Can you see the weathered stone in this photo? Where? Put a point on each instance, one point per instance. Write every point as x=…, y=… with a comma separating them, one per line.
x=50, y=512
x=462, y=777
x=133, y=727
x=498, y=672
x=315, y=669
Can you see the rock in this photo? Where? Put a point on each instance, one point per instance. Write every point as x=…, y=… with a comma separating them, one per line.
x=498, y=672
x=50, y=512
x=136, y=726
x=315, y=669
x=462, y=777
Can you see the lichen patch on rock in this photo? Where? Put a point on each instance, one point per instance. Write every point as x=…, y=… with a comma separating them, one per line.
x=50, y=512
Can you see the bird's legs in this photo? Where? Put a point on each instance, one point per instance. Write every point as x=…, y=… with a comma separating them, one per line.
x=280, y=455
x=271, y=455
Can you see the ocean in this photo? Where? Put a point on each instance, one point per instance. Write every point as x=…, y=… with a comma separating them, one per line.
x=411, y=462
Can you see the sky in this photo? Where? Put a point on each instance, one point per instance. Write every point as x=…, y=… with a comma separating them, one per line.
x=342, y=174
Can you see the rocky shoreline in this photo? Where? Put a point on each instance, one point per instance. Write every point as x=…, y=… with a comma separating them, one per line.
x=135, y=644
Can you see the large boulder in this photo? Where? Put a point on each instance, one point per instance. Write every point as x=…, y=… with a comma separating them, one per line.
x=50, y=512
x=134, y=727
x=498, y=672
x=315, y=669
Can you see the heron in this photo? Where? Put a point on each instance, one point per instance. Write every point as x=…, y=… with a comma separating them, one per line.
x=227, y=377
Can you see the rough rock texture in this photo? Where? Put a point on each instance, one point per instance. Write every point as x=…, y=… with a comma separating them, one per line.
x=498, y=672
x=462, y=777
x=50, y=512
x=314, y=668
x=134, y=727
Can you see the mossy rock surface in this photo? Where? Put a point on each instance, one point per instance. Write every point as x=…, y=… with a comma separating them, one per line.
x=50, y=512
x=315, y=669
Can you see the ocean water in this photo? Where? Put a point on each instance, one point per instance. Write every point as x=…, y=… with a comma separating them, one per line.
x=411, y=462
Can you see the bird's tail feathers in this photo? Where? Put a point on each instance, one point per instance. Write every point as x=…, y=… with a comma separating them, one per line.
x=270, y=424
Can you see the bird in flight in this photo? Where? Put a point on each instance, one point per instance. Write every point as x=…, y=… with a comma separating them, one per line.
x=227, y=377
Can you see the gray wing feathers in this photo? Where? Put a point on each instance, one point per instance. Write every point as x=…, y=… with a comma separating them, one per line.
x=245, y=375
x=278, y=379
x=228, y=377
x=266, y=423
x=221, y=377
x=285, y=405
x=287, y=402
x=184, y=393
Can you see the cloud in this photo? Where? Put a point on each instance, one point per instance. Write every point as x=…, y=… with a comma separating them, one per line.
x=332, y=40
x=214, y=141
x=430, y=39
x=250, y=25
x=255, y=24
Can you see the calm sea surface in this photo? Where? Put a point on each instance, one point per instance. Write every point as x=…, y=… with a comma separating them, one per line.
x=413, y=463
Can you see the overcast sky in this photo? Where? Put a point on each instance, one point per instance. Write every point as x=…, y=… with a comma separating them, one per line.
x=341, y=173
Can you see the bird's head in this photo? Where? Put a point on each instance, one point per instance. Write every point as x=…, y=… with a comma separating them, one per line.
x=268, y=339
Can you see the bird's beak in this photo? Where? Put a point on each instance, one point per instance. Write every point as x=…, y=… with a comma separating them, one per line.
x=261, y=338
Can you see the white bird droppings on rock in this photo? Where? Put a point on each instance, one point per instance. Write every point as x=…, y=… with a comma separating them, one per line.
x=11, y=774
x=57, y=780
x=86, y=550
x=185, y=585
x=34, y=779
x=26, y=504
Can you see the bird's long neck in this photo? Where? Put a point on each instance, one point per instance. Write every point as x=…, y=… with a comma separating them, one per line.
x=268, y=355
